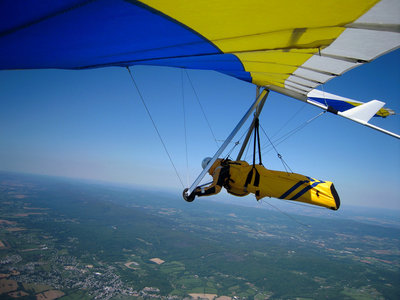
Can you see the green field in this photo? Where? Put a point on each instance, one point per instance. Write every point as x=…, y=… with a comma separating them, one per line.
x=89, y=232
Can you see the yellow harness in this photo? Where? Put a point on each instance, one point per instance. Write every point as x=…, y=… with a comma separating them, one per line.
x=245, y=179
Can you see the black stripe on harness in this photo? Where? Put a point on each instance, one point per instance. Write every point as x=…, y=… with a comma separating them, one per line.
x=257, y=179
x=250, y=176
x=248, y=179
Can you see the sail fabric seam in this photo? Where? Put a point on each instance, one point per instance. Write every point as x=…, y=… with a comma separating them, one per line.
x=169, y=18
x=362, y=29
x=144, y=61
x=44, y=18
x=262, y=42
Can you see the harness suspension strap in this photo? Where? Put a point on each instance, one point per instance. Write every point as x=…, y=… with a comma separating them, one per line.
x=262, y=96
x=257, y=178
x=254, y=144
x=256, y=182
x=257, y=140
x=249, y=132
x=249, y=177
x=254, y=170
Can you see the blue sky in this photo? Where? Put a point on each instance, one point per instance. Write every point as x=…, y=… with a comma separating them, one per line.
x=91, y=124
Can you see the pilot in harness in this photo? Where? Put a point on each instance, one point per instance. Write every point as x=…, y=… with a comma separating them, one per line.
x=240, y=179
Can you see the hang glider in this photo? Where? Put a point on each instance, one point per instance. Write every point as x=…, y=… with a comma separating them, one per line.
x=290, y=49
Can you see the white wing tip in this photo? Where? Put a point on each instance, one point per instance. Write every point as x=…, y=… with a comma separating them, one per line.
x=364, y=112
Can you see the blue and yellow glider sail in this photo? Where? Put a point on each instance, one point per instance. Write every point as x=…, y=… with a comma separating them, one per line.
x=290, y=48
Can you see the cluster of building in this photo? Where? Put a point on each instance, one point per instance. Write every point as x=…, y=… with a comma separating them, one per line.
x=65, y=272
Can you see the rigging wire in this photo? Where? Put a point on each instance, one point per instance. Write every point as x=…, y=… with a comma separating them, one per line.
x=293, y=131
x=248, y=147
x=201, y=108
x=237, y=143
x=306, y=205
x=230, y=152
x=155, y=126
x=286, y=214
x=284, y=163
x=289, y=120
x=185, y=130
